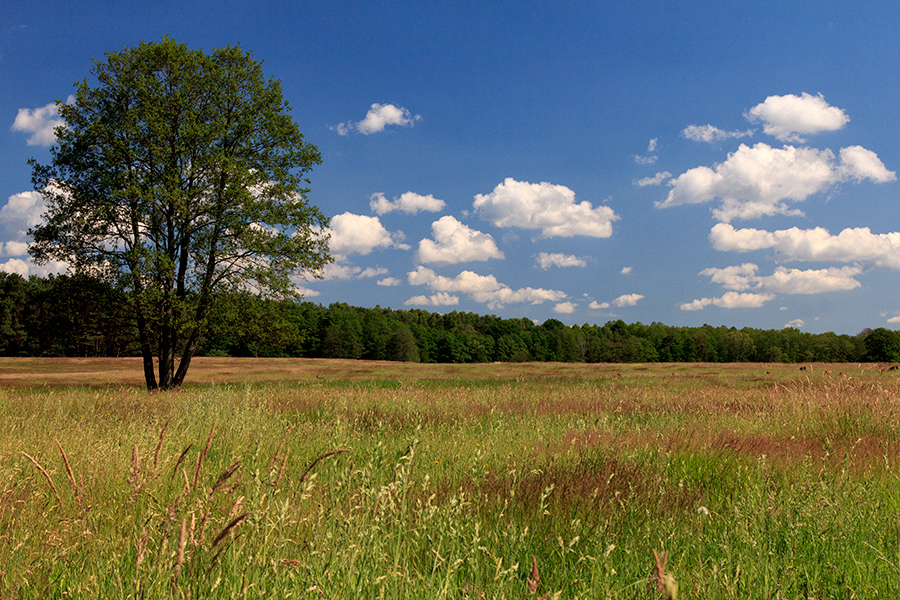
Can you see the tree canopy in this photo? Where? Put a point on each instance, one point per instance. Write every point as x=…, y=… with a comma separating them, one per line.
x=176, y=174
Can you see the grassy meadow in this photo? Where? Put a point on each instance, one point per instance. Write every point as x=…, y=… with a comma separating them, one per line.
x=280, y=478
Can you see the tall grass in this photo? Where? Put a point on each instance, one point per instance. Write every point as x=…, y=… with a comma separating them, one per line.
x=580, y=483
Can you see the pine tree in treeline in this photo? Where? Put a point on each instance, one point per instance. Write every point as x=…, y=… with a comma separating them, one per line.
x=74, y=316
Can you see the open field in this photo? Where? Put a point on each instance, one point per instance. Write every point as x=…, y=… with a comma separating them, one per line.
x=452, y=481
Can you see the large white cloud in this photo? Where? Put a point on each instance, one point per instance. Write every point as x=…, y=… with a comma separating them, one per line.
x=409, y=203
x=817, y=244
x=40, y=123
x=789, y=117
x=455, y=243
x=360, y=234
x=546, y=260
x=760, y=180
x=482, y=288
x=784, y=280
x=550, y=208
x=379, y=117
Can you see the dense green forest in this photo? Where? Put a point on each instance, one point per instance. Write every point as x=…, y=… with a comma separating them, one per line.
x=74, y=316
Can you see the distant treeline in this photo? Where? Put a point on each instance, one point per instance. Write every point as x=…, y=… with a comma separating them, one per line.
x=75, y=316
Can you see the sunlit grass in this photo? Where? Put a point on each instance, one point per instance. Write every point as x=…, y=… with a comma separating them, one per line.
x=752, y=484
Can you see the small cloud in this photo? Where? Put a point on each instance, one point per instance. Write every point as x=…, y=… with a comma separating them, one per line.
x=13, y=248
x=564, y=308
x=336, y=271
x=627, y=300
x=40, y=123
x=657, y=179
x=650, y=158
x=409, y=203
x=388, y=282
x=894, y=319
x=730, y=300
x=545, y=260
x=306, y=292
x=372, y=272
x=625, y=270
x=709, y=133
x=439, y=299
x=378, y=117
x=598, y=305
x=795, y=324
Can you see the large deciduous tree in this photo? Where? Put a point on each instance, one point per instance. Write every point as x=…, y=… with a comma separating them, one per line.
x=176, y=174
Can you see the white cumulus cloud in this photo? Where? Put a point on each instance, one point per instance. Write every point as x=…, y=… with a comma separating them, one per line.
x=388, y=282
x=455, y=243
x=544, y=206
x=565, y=308
x=439, y=299
x=795, y=324
x=27, y=267
x=482, y=288
x=627, y=300
x=40, y=123
x=598, y=305
x=784, y=280
x=858, y=163
x=360, y=234
x=379, y=117
x=760, y=180
x=546, y=260
x=818, y=244
x=409, y=203
x=730, y=300
x=812, y=281
x=790, y=117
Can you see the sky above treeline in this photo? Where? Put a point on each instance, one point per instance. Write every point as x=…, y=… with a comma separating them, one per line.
x=729, y=163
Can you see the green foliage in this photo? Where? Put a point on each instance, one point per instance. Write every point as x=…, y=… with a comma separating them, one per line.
x=177, y=174
x=76, y=316
x=882, y=345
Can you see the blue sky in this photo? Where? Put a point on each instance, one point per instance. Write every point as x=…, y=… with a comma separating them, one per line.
x=729, y=163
